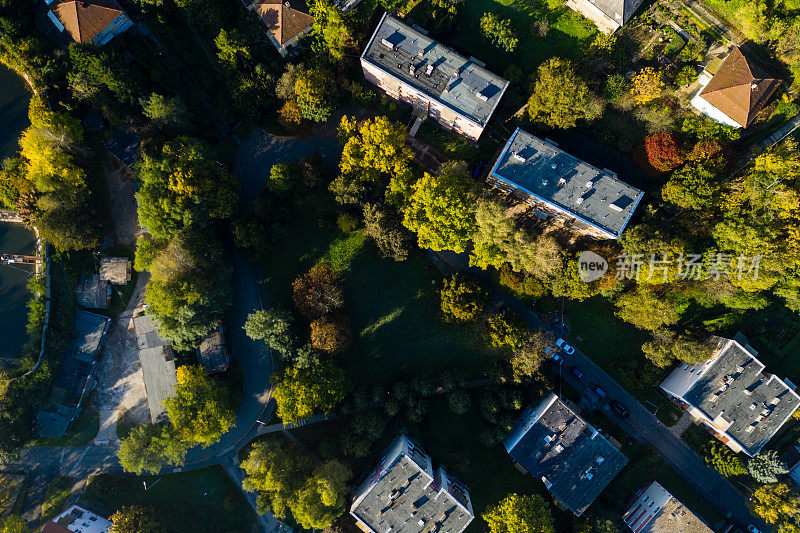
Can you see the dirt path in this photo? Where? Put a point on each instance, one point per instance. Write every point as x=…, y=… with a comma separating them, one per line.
x=120, y=182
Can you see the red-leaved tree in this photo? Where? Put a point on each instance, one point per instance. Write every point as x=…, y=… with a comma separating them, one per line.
x=663, y=152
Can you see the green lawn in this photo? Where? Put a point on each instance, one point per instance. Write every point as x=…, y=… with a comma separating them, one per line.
x=616, y=346
x=55, y=496
x=197, y=501
x=394, y=306
x=568, y=36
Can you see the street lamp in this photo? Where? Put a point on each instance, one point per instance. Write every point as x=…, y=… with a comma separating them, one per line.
x=151, y=486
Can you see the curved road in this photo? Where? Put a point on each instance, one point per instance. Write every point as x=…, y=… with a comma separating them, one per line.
x=259, y=152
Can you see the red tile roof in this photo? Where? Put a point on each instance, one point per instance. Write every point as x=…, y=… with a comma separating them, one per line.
x=282, y=20
x=84, y=19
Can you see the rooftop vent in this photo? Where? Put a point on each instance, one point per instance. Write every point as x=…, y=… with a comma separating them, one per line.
x=739, y=369
x=600, y=460
x=589, y=476
x=545, y=183
x=554, y=166
x=579, y=201
x=752, y=407
x=559, y=448
x=548, y=439
x=589, y=184
x=387, y=43
x=562, y=182
x=412, y=69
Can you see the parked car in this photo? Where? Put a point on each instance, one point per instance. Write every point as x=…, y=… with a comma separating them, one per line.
x=753, y=529
x=620, y=409
x=561, y=343
x=599, y=391
x=577, y=372
x=557, y=358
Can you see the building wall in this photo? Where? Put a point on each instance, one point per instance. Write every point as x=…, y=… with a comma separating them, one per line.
x=603, y=22
x=118, y=26
x=398, y=90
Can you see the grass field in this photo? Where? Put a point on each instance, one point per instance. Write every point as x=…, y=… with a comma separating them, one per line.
x=55, y=496
x=568, y=35
x=394, y=306
x=204, y=500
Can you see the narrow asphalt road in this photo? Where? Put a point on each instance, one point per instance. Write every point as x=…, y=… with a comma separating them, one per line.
x=641, y=424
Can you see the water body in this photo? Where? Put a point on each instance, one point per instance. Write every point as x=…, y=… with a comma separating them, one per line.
x=15, y=238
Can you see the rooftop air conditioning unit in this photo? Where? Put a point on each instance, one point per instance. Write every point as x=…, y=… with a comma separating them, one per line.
x=387, y=43
x=429, y=70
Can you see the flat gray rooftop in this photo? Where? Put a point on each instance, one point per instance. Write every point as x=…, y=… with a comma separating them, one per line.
x=755, y=404
x=433, y=68
x=572, y=186
x=414, y=496
x=158, y=365
x=561, y=447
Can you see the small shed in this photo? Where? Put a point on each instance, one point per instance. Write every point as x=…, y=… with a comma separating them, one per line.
x=92, y=292
x=212, y=353
x=116, y=270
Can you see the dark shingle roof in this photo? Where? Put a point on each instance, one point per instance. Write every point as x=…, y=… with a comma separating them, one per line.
x=577, y=188
x=621, y=11
x=573, y=459
x=460, y=83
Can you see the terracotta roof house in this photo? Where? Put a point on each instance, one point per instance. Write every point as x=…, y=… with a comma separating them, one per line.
x=90, y=21
x=734, y=91
x=607, y=15
x=285, y=22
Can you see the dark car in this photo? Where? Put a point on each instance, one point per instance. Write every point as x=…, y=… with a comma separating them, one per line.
x=599, y=391
x=577, y=372
x=620, y=409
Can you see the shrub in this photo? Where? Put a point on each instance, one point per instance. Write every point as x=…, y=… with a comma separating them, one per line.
x=346, y=222
x=686, y=75
x=766, y=466
x=616, y=86
x=723, y=460
x=646, y=86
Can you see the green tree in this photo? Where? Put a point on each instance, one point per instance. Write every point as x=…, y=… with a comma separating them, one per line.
x=646, y=85
x=441, y=209
x=200, y=409
x=164, y=111
x=644, y=309
x=528, y=358
x=499, y=32
x=666, y=347
x=385, y=229
x=134, y=519
x=560, y=97
x=277, y=470
x=459, y=401
x=497, y=241
x=462, y=298
x=330, y=27
x=766, y=466
x=692, y=187
x=232, y=48
x=520, y=513
x=189, y=290
x=274, y=327
x=284, y=178
x=723, y=460
x=507, y=330
x=182, y=188
x=13, y=524
x=149, y=448
x=312, y=89
x=324, y=496
x=300, y=391
x=777, y=504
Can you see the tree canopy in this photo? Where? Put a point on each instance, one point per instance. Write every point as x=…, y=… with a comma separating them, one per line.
x=200, y=409
x=560, y=97
x=134, y=519
x=520, y=513
x=441, y=209
x=300, y=390
x=149, y=448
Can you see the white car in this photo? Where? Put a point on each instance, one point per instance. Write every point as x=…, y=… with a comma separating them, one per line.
x=566, y=348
